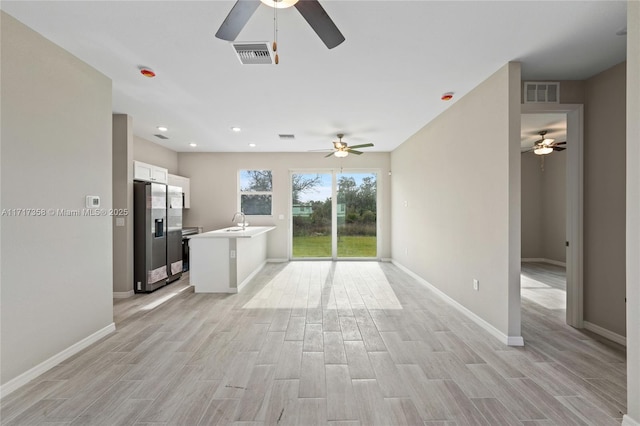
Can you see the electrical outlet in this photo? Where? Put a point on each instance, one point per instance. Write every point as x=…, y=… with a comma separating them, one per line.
x=232, y=254
x=406, y=250
x=406, y=204
x=476, y=285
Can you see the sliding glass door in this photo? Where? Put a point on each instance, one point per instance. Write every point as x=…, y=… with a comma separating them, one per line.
x=357, y=214
x=311, y=215
x=334, y=215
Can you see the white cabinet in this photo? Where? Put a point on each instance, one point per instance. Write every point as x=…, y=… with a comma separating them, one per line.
x=184, y=183
x=149, y=172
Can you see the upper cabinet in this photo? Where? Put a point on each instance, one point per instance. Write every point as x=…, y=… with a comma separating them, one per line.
x=184, y=183
x=149, y=172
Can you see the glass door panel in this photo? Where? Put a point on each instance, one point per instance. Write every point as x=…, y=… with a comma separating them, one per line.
x=311, y=215
x=356, y=214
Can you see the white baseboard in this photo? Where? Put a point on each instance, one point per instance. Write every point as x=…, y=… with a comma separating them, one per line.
x=628, y=421
x=543, y=260
x=122, y=294
x=507, y=340
x=386, y=260
x=48, y=364
x=615, y=337
x=251, y=275
x=276, y=260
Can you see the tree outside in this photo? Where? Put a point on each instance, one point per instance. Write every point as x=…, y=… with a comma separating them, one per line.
x=356, y=216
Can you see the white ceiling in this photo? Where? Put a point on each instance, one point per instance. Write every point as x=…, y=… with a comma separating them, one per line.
x=381, y=85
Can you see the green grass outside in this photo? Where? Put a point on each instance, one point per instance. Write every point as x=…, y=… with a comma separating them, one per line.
x=348, y=246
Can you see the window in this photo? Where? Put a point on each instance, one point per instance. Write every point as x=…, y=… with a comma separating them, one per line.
x=256, y=191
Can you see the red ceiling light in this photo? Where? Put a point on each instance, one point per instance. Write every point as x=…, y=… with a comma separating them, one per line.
x=147, y=72
x=447, y=96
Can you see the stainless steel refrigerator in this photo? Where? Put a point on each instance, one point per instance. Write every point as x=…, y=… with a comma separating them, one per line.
x=174, y=233
x=149, y=236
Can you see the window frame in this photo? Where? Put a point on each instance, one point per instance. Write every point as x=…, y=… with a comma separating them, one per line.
x=241, y=192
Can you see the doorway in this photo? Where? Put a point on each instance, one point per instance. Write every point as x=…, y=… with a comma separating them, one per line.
x=574, y=203
x=334, y=214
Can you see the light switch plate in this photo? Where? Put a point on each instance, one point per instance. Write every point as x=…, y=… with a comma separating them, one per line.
x=92, y=201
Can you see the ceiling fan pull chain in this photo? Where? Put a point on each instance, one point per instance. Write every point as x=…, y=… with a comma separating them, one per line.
x=275, y=35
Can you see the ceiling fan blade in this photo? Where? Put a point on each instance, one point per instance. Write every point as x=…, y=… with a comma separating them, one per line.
x=353, y=151
x=558, y=148
x=321, y=23
x=328, y=155
x=560, y=143
x=364, y=145
x=237, y=19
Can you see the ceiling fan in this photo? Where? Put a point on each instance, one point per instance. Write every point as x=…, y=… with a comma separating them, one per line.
x=342, y=149
x=546, y=145
x=311, y=11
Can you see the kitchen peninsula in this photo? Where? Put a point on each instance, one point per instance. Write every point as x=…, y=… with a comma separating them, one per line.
x=223, y=261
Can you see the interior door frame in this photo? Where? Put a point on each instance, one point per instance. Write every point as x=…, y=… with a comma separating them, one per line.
x=575, y=201
x=334, y=209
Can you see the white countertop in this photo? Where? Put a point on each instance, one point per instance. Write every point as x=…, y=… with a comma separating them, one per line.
x=235, y=232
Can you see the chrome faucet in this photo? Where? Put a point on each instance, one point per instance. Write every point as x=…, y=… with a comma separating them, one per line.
x=242, y=216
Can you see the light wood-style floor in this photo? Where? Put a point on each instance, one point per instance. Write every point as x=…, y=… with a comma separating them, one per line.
x=347, y=343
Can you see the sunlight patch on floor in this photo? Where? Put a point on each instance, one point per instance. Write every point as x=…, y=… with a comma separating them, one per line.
x=161, y=300
x=527, y=282
x=327, y=285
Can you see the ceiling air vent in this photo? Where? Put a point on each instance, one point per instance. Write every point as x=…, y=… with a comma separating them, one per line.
x=541, y=91
x=284, y=136
x=161, y=136
x=253, y=53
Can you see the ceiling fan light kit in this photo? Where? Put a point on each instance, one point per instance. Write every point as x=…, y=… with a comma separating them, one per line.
x=279, y=4
x=311, y=10
x=546, y=145
x=543, y=150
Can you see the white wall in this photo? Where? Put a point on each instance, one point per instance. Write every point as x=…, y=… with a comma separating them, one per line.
x=532, y=244
x=123, y=199
x=633, y=214
x=456, y=201
x=56, y=149
x=604, y=199
x=214, y=189
x=152, y=153
x=554, y=206
x=544, y=199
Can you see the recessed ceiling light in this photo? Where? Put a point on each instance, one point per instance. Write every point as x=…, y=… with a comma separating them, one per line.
x=252, y=145
x=236, y=129
x=162, y=128
x=193, y=144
